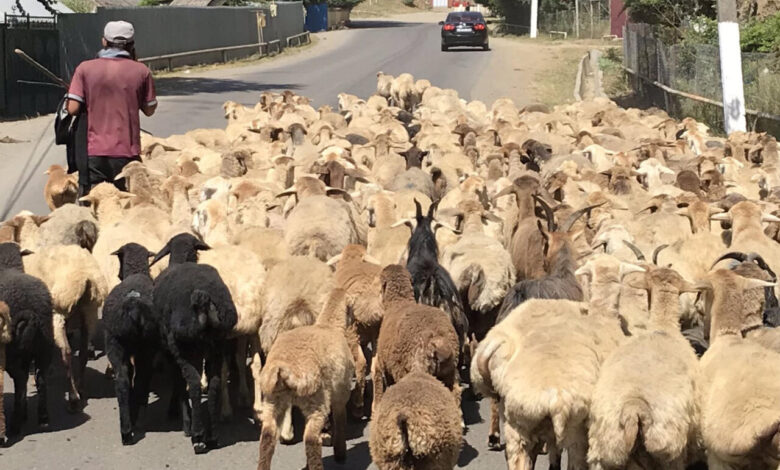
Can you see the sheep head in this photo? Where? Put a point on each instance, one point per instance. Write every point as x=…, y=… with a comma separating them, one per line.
x=133, y=259
x=351, y=254
x=11, y=256
x=745, y=214
x=182, y=248
x=424, y=223
x=396, y=284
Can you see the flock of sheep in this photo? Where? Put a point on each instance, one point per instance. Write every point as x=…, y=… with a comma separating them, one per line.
x=606, y=277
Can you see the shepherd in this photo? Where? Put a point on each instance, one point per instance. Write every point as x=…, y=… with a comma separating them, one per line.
x=112, y=89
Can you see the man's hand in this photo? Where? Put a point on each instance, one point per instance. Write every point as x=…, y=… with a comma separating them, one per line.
x=74, y=107
x=149, y=109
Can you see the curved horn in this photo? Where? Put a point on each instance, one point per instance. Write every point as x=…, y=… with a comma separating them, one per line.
x=735, y=255
x=657, y=251
x=761, y=264
x=418, y=207
x=599, y=245
x=577, y=214
x=548, y=213
x=637, y=252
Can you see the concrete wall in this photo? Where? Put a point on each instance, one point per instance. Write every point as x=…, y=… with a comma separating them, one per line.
x=168, y=30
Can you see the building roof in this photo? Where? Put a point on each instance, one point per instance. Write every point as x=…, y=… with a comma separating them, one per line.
x=31, y=7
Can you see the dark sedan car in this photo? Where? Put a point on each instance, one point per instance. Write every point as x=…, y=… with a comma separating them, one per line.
x=464, y=28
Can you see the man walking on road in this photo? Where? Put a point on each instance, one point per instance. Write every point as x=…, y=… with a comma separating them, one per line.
x=112, y=89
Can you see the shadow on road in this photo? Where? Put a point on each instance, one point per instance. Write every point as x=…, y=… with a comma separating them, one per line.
x=183, y=86
x=358, y=458
x=375, y=24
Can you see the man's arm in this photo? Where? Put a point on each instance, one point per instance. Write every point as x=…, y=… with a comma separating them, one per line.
x=149, y=105
x=76, y=93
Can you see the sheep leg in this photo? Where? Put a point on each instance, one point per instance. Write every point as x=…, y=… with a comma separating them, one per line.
x=215, y=362
x=494, y=438
x=191, y=369
x=243, y=386
x=315, y=420
x=519, y=455
x=2, y=384
x=288, y=433
x=141, y=383
x=578, y=451
x=358, y=393
x=714, y=463
x=83, y=357
x=121, y=364
x=256, y=367
x=20, y=399
x=61, y=340
x=553, y=455
x=42, y=364
x=339, y=438
x=378, y=377
x=226, y=410
x=271, y=415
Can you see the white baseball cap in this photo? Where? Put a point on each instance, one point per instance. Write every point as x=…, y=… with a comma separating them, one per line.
x=119, y=32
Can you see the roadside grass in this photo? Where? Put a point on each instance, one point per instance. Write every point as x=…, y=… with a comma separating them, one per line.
x=244, y=62
x=383, y=8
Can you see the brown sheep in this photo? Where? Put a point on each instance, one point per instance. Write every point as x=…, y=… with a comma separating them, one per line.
x=61, y=188
x=358, y=274
x=310, y=367
x=417, y=426
x=413, y=337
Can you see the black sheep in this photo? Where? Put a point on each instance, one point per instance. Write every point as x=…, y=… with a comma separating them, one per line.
x=29, y=302
x=132, y=330
x=197, y=314
x=432, y=283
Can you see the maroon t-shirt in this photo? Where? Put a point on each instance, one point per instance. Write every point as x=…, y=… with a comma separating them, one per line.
x=114, y=90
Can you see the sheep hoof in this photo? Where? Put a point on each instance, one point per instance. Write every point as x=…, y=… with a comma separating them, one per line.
x=494, y=442
x=326, y=440
x=200, y=448
x=3, y=441
x=127, y=438
x=212, y=444
x=44, y=425
x=74, y=404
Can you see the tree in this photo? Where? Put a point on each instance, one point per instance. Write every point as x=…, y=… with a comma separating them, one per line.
x=47, y=4
x=669, y=13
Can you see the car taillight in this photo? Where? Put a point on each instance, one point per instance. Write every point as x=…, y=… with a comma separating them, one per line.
x=479, y=27
x=449, y=27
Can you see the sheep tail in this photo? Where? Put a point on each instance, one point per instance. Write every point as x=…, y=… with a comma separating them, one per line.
x=86, y=233
x=407, y=454
x=635, y=414
x=473, y=281
x=483, y=366
x=25, y=330
x=204, y=309
x=279, y=377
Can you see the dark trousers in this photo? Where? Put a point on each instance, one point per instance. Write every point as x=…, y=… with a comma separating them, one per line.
x=104, y=170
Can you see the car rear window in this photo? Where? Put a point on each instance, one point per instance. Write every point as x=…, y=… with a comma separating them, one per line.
x=464, y=17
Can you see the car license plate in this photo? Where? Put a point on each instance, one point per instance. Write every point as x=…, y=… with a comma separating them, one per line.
x=463, y=29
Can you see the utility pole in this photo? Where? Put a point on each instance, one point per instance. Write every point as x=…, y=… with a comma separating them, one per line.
x=731, y=67
x=577, y=17
x=534, y=17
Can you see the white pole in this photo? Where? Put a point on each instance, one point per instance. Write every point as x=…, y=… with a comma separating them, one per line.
x=534, y=17
x=577, y=17
x=731, y=67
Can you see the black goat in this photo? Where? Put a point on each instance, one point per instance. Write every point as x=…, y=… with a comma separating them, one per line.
x=197, y=314
x=431, y=282
x=32, y=334
x=132, y=331
x=560, y=282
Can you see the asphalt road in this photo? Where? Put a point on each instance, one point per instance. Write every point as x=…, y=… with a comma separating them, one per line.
x=345, y=61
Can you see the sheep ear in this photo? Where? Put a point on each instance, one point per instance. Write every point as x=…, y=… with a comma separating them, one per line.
x=489, y=216
x=87, y=198
x=25, y=252
x=688, y=288
x=201, y=246
x=118, y=252
x=584, y=270
x=437, y=225
x=334, y=260
x=162, y=254
x=703, y=286
x=750, y=283
x=120, y=176
x=408, y=222
x=723, y=216
x=769, y=218
x=40, y=219
x=125, y=195
x=372, y=260
x=330, y=191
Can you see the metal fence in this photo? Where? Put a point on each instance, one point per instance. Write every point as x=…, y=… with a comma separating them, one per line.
x=592, y=22
x=685, y=78
x=161, y=31
x=23, y=90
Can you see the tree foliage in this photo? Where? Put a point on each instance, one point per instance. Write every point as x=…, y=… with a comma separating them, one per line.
x=669, y=13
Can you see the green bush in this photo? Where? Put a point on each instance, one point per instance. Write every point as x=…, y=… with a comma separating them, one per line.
x=761, y=35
